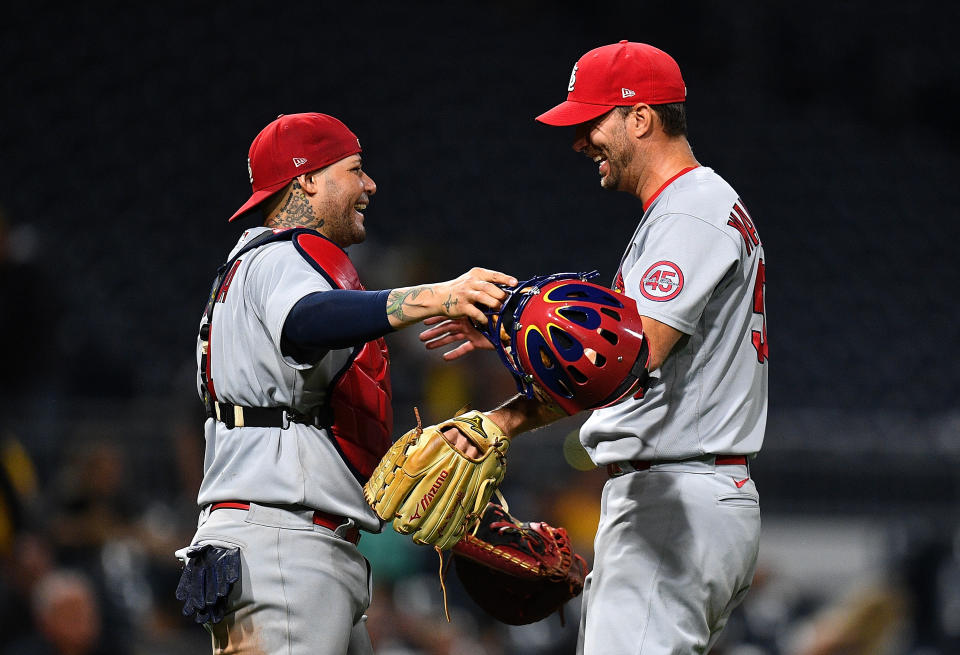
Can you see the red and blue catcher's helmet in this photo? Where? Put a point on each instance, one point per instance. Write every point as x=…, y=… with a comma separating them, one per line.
x=580, y=343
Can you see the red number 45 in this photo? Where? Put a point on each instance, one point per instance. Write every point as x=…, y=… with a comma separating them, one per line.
x=760, y=338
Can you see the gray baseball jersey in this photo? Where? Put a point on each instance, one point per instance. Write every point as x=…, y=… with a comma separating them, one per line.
x=294, y=466
x=695, y=263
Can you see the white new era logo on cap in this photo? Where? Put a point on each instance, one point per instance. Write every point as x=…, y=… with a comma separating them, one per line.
x=299, y=161
x=627, y=93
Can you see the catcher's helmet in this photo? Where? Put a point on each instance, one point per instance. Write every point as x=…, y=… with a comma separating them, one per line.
x=579, y=342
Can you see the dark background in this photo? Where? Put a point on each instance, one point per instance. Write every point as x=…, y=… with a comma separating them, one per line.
x=124, y=131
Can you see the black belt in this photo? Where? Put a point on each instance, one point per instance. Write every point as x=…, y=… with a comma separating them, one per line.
x=619, y=468
x=237, y=416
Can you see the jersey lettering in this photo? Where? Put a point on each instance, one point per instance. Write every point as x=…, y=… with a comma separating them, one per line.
x=740, y=220
x=760, y=338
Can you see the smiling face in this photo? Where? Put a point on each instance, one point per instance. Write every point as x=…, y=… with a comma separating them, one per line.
x=606, y=141
x=344, y=193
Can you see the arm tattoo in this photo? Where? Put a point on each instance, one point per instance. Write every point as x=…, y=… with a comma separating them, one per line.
x=450, y=302
x=399, y=301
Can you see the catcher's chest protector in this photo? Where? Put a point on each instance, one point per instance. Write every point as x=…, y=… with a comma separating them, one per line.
x=360, y=395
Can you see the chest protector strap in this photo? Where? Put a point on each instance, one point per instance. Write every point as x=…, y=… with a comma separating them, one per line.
x=218, y=292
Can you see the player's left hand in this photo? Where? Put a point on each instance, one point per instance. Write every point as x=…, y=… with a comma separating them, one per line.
x=444, y=331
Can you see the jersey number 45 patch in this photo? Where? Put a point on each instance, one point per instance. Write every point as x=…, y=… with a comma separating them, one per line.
x=662, y=281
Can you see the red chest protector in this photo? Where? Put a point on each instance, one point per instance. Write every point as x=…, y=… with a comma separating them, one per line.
x=359, y=395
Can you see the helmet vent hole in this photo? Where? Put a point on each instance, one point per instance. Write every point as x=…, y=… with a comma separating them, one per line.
x=546, y=358
x=563, y=340
x=612, y=314
x=578, y=316
x=577, y=375
x=609, y=336
x=594, y=357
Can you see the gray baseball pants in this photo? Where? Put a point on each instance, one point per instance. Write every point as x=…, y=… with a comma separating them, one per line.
x=675, y=553
x=303, y=589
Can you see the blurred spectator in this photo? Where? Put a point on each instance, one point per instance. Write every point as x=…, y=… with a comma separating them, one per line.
x=67, y=618
x=927, y=569
x=93, y=505
x=30, y=559
x=24, y=555
x=867, y=622
x=408, y=619
x=95, y=528
x=18, y=491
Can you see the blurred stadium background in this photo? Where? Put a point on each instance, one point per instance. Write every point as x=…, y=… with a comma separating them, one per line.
x=124, y=129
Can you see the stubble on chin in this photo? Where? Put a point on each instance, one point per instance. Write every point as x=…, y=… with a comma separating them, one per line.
x=359, y=234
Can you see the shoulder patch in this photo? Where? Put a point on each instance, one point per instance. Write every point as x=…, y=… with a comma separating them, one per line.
x=662, y=281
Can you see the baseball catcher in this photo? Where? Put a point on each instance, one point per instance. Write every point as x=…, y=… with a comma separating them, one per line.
x=517, y=572
x=435, y=482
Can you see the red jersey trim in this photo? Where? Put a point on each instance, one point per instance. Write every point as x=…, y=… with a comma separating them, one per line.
x=649, y=202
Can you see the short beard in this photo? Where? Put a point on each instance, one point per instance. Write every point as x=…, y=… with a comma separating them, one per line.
x=618, y=160
x=340, y=226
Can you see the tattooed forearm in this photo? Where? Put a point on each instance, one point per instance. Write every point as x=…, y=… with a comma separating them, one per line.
x=295, y=212
x=401, y=301
x=450, y=302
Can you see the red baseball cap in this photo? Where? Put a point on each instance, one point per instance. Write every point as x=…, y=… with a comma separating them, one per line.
x=291, y=145
x=616, y=75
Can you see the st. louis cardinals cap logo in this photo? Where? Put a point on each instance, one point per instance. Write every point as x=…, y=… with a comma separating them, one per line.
x=662, y=281
x=573, y=78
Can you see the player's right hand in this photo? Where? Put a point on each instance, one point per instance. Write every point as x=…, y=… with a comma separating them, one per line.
x=468, y=295
x=444, y=331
